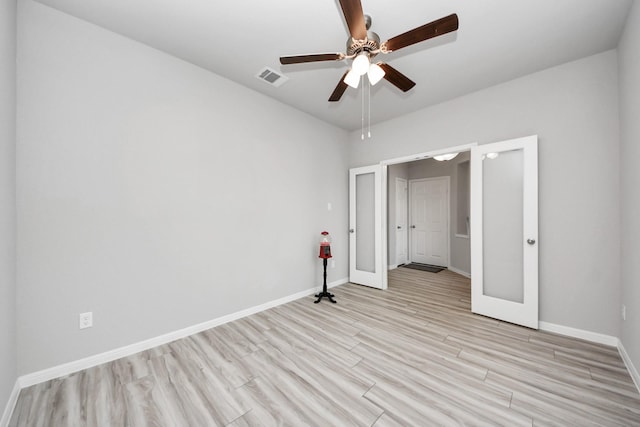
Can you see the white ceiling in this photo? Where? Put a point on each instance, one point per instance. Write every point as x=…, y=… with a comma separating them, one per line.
x=498, y=40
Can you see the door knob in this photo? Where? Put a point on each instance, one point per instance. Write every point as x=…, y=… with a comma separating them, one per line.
x=351, y=230
x=399, y=227
x=531, y=241
x=413, y=226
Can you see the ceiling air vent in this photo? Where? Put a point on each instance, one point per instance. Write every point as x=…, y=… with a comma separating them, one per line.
x=272, y=77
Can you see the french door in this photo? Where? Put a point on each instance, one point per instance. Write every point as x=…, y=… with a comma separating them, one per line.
x=365, y=226
x=504, y=231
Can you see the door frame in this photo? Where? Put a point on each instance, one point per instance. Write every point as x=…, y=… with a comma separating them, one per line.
x=406, y=221
x=447, y=215
x=385, y=201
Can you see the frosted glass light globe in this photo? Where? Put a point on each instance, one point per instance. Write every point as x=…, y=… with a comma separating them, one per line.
x=361, y=64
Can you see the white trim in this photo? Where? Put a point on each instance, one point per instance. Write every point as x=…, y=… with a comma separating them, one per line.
x=384, y=243
x=332, y=284
x=460, y=272
x=11, y=405
x=98, y=359
x=599, y=339
x=579, y=333
x=59, y=371
x=392, y=267
x=462, y=236
x=635, y=376
x=405, y=184
x=428, y=154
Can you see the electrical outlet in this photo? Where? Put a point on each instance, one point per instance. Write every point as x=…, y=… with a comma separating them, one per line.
x=333, y=264
x=86, y=320
x=329, y=206
x=624, y=312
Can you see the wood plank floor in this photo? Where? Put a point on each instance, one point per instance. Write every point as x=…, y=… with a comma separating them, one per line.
x=413, y=355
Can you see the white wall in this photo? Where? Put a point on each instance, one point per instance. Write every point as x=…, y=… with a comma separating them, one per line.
x=574, y=110
x=7, y=199
x=156, y=194
x=629, y=61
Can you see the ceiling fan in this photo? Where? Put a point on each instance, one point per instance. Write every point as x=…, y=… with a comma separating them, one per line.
x=364, y=45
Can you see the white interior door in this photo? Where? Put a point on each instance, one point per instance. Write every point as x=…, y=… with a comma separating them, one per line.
x=429, y=200
x=402, y=246
x=365, y=226
x=504, y=231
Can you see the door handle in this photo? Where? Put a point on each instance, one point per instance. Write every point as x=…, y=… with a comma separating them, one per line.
x=351, y=230
x=399, y=227
x=531, y=241
x=413, y=226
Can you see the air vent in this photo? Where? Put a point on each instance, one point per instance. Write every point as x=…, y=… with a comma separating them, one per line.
x=272, y=77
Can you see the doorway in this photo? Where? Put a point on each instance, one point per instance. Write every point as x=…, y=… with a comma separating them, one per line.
x=454, y=250
x=487, y=179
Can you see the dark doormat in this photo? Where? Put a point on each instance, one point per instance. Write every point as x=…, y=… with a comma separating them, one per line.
x=424, y=267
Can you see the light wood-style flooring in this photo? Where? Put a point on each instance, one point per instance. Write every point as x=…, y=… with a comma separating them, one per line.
x=413, y=355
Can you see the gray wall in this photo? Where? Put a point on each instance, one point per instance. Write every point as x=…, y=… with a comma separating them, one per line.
x=574, y=110
x=156, y=194
x=7, y=199
x=629, y=61
x=430, y=168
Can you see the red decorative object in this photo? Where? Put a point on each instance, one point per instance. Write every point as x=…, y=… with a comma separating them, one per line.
x=325, y=253
x=325, y=245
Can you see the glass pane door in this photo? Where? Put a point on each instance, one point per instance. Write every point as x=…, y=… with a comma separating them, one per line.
x=504, y=230
x=365, y=226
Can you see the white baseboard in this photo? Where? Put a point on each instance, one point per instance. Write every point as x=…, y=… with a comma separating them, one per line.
x=460, y=272
x=392, y=267
x=336, y=283
x=635, y=376
x=579, y=333
x=98, y=359
x=11, y=405
x=69, y=368
x=599, y=339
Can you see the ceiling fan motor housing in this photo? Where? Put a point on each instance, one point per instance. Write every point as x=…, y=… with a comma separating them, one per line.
x=370, y=44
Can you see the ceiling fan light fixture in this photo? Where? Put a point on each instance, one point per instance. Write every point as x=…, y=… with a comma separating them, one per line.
x=444, y=157
x=363, y=44
x=361, y=64
x=352, y=79
x=375, y=74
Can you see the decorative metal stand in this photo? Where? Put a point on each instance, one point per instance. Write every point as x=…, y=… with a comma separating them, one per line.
x=324, y=292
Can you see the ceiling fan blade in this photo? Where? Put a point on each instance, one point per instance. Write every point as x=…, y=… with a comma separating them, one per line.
x=396, y=78
x=353, y=14
x=298, y=59
x=433, y=29
x=339, y=90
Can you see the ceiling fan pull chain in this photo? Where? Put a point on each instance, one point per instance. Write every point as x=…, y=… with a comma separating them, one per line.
x=369, y=91
x=362, y=121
